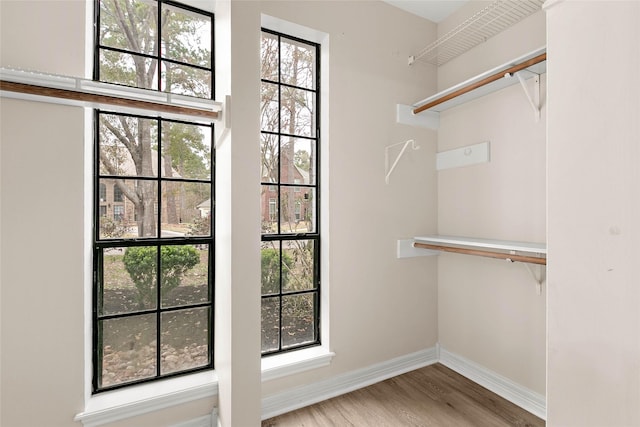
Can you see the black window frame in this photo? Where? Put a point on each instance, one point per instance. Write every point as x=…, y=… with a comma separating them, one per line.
x=102, y=244
x=270, y=183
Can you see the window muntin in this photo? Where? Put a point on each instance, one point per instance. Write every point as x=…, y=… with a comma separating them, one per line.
x=153, y=238
x=290, y=209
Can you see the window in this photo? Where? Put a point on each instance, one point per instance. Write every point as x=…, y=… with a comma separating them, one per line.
x=290, y=158
x=153, y=263
x=272, y=209
x=117, y=194
x=155, y=45
x=118, y=213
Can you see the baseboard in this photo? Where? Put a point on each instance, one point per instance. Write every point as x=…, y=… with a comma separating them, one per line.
x=206, y=421
x=322, y=390
x=504, y=387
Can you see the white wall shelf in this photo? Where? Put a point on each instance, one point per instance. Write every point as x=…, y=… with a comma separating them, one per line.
x=488, y=82
x=533, y=253
x=486, y=23
x=517, y=71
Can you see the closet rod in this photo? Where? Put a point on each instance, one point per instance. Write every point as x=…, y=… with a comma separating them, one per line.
x=103, y=99
x=485, y=81
x=499, y=255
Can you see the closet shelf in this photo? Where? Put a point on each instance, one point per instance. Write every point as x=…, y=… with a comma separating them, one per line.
x=531, y=65
x=493, y=19
x=533, y=253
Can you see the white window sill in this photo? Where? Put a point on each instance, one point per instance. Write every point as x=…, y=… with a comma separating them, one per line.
x=281, y=365
x=132, y=401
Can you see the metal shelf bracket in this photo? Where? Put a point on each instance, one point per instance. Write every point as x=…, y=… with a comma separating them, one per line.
x=534, y=96
x=538, y=278
x=388, y=169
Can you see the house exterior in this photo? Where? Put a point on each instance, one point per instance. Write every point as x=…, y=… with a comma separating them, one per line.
x=178, y=199
x=295, y=201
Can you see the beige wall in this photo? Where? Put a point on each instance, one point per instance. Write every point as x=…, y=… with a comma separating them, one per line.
x=594, y=206
x=381, y=307
x=42, y=265
x=488, y=310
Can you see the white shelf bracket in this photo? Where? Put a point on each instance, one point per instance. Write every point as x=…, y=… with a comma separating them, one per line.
x=388, y=169
x=538, y=278
x=534, y=100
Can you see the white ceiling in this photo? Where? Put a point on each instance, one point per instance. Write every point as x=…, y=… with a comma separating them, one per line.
x=433, y=10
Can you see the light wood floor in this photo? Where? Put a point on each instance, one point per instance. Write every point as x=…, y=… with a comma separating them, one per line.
x=431, y=396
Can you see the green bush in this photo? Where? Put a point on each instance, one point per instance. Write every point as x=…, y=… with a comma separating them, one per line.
x=140, y=263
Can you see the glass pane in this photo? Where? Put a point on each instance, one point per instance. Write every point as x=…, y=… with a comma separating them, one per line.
x=297, y=210
x=298, y=319
x=184, y=339
x=270, y=324
x=297, y=162
x=129, y=280
x=269, y=157
x=135, y=215
x=184, y=274
x=186, y=151
x=269, y=208
x=185, y=80
x=298, y=65
x=128, y=347
x=269, y=120
x=269, y=56
x=121, y=20
x=186, y=209
x=127, y=146
x=297, y=112
x=270, y=265
x=128, y=69
x=186, y=36
x=298, y=265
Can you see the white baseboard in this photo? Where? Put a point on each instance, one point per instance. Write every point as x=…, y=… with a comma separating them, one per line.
x=205, y=421
x=322, y=390
x=504, y=387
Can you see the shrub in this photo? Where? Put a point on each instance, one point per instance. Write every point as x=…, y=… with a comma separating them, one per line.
x=140, y=263
x=112, y=229
x=201, y=226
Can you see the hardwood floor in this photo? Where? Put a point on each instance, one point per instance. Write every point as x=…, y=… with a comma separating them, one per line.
x=431, y=396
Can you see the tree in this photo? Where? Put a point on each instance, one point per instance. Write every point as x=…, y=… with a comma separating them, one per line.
x=132, y=26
